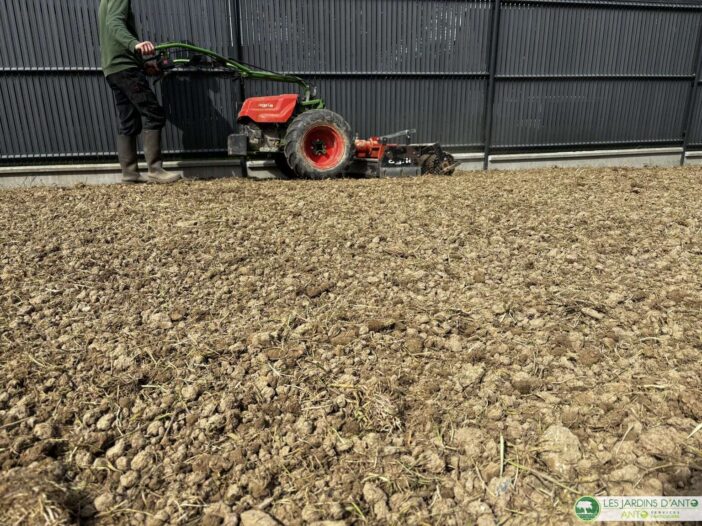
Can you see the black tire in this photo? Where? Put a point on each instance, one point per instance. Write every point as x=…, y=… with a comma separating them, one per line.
x=282, y=163
x=429, y=163
x=313, y=160
x=433, y=164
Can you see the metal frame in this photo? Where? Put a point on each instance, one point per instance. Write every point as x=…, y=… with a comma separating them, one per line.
x=493, y=77
x=692, y=97
x=42, y=79
x=492, y=67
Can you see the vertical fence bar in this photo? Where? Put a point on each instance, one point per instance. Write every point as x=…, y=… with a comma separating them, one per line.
x=237, y=45
x=692, y=97
x=492, y=66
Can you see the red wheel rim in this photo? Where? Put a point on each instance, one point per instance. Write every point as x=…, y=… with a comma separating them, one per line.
x=323, y=146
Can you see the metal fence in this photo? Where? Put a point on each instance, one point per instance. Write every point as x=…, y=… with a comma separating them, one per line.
x=498, y=75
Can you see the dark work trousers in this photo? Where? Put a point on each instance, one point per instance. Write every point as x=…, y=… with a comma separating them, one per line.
x=136, y=100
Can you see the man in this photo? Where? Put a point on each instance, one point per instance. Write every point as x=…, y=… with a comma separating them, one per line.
x=123, y=65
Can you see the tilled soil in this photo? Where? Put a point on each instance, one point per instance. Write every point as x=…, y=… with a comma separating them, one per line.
x=476, y=349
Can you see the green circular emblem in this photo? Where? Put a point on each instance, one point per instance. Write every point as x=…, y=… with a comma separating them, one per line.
x=694, y=503
x=587, y=509
x=644, y=515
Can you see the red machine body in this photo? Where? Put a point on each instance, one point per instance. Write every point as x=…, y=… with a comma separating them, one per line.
x=269, y=110
x=371, y=148
x=271, y=126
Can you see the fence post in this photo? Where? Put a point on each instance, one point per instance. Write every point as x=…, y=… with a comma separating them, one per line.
x=692, y=97
x=492, y=67
x=237, y=42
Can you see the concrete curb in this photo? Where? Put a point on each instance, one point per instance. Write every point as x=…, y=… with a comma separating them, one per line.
x=631, y=158
x=108, y=173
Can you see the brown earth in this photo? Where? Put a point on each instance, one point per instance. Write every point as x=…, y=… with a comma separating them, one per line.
x=351, y=351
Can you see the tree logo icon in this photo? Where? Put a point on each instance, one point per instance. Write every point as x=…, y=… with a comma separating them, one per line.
x=587, y=509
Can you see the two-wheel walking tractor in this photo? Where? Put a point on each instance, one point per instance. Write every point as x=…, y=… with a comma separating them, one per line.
x=297, y=136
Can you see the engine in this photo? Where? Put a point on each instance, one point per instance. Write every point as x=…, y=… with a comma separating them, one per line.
x=263, y=137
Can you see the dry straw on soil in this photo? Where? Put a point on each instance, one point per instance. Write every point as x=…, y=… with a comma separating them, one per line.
x=482, y=348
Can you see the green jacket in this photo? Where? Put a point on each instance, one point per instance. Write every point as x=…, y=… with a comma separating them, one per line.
x=118, y=38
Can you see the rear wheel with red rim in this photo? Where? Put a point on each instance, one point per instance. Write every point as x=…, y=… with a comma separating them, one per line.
x=318, y=144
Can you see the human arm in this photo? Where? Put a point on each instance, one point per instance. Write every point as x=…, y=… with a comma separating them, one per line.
x=117, y=15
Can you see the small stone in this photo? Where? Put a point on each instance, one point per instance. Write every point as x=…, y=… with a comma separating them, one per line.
x=25, y=310
x=44, y=431
x=433, y=462
x=414, y=345
x=524, y=383
x=211, y=520
x=40, y=299
x=190, y=392
x=570, y=416
x=314, y=291
x=499, y=308
x=373, y=494
x=381, y=325
x=499, y=491
x=117, y=450
x=142, y=460
x=19, y=412
x=592, y=313
x=105, y=422
x=90, y=417
x=83, y=459
x=691, y=404
x=589, y=357
x=159, y=518
x=217, y=422
x=257, y=518
x=560, y=451
x=469, y=375
x=261, y=339
x=160, y=320
x=454, y=344
x=260, y=487
x=154, y=428
x=122, y=463
x=310, y=514
x=104, y=502
x=422, y=319
x=660, y=442
x=129, y=479
x=628, y=473
x=343, y=445
x=575, y=340
x=123, y=362
x=218, y=509
x=343, y=339
x=470, y=440
x=233, y=493
x=486, y=520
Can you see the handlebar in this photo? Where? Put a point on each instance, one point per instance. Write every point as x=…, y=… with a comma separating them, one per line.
x=244, y=70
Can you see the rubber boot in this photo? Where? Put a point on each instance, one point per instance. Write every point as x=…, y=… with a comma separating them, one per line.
x=127, y=154
x=152, y=151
